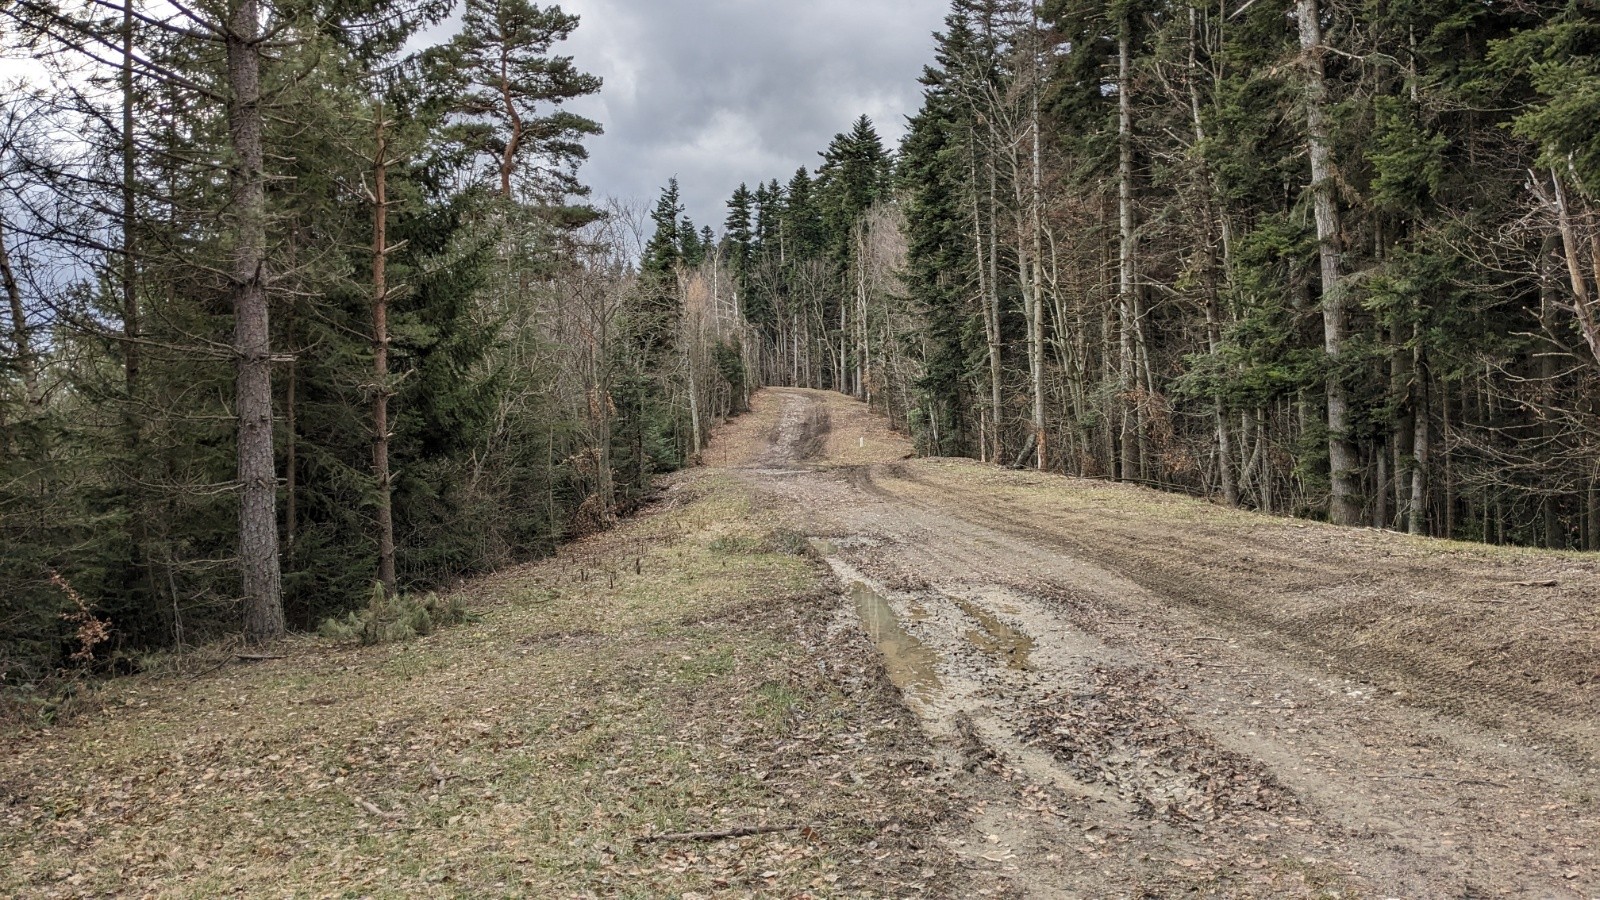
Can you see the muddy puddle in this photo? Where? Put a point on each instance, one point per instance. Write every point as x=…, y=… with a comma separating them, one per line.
x=996, y=638
x=911, y=665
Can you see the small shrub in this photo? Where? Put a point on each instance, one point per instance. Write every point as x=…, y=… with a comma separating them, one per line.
x=91, y=630
x=791, y=543
x=388, y=619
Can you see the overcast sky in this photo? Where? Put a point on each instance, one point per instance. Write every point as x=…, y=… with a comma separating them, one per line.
x=722, y=91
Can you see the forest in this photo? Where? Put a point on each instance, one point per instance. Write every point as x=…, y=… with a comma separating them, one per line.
x=291, y=312
x=1332, y=260
x=297, y=313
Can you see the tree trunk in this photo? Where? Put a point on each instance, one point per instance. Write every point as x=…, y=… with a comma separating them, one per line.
x=130, y=294
x=1421, y=450
x=131, y=325
x=261, y=579
x=26, y=365
x=1593, y=514
x=380, y=358
x=988, y=300
x=1582, y=298
x=1126, y=277
x=1228, y=481
x=1036, y=223
x=694, y=404
x=1343, y=507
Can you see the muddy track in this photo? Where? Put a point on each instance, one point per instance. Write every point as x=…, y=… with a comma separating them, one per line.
x=1204, y=575
x=1137, y=696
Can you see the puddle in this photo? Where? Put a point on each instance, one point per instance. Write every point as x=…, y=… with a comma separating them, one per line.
x=909, y=662
x=996, y=638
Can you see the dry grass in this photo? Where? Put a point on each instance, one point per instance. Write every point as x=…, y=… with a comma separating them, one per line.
x=662, y=677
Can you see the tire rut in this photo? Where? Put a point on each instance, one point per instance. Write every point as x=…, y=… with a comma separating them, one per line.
x=1132, y=715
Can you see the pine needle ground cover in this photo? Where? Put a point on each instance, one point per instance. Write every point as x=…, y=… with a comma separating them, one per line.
x=680, y=674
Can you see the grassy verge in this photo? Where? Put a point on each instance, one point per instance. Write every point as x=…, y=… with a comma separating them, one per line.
x=678, y=674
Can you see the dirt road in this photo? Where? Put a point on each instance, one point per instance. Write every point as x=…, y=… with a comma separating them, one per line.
x=1147, y=695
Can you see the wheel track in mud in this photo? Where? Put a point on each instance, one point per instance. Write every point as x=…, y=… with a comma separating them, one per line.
x=1374, y=811
x=1446, y=683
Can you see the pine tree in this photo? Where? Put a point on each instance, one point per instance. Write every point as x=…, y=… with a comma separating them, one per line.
x=506, y=92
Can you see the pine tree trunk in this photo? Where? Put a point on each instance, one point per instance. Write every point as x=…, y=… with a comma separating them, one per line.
x=1344, y=507
x=261, y=580
x=380, y=359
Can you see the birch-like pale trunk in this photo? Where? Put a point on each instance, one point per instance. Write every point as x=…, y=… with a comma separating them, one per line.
x=1127, y=278
x=21, y=343
x=991, y=315
x=1036, y=208
x=1344, y=508
x=1572, y=247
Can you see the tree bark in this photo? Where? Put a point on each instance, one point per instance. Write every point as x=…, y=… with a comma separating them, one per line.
x=130, y=295
x=988, y=299
x=1344, y=508
x=1582, y=298
x=20, y=341
x=1228, y=480
x=261, y=578
x=1036, y=223
x=131, y=320
x=380, y=358
x=1421, y=449
x=1126, y=275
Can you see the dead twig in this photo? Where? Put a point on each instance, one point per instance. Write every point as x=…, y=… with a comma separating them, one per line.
x=740, y=831
x=373, y=809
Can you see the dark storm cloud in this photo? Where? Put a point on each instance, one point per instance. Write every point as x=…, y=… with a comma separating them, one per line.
x=722, y=91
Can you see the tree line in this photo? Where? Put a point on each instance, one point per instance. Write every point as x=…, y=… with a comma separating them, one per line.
x=1321, y=258
x=291, y=311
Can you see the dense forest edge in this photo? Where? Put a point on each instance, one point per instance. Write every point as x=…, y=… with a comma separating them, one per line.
x=297, y=311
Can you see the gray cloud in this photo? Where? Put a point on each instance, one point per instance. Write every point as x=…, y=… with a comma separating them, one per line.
x=722, y=91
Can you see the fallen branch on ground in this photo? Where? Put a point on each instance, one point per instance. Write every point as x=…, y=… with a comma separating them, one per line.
x=741, y=831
